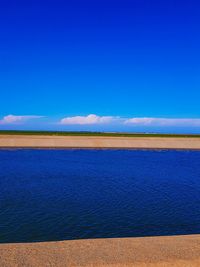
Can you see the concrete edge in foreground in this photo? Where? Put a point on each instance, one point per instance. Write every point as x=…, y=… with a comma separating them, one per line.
x=179, y=251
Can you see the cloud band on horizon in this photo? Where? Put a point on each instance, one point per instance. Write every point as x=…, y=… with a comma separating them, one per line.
x=93, y=119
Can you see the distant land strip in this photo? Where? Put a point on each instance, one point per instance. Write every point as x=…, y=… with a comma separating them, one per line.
x=99, y=141
x=89, y=133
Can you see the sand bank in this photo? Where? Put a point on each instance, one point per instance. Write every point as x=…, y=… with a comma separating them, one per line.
x=99, y=142
x=179, y=251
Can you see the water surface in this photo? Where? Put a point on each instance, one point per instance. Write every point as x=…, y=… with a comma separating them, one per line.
x=71, y=194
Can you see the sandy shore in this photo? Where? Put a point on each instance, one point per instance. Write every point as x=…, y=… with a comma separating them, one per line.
x=179, y=251
x=98, y=142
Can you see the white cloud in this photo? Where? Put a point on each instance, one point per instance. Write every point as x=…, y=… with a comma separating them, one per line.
x=85, y=120
x=13, y=119
x=93, y=119
x=162, y=122
x=145, y=121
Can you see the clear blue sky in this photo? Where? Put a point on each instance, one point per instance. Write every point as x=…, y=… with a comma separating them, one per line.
x=110, y=58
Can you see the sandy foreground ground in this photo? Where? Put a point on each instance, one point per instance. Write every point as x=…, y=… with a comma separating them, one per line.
x=98, y=142
x=179, y=251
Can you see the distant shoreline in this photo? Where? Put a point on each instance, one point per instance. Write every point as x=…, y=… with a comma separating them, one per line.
x=87, y=133
x=107, y=142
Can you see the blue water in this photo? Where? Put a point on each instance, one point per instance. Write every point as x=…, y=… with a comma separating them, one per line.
x=73, y=194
